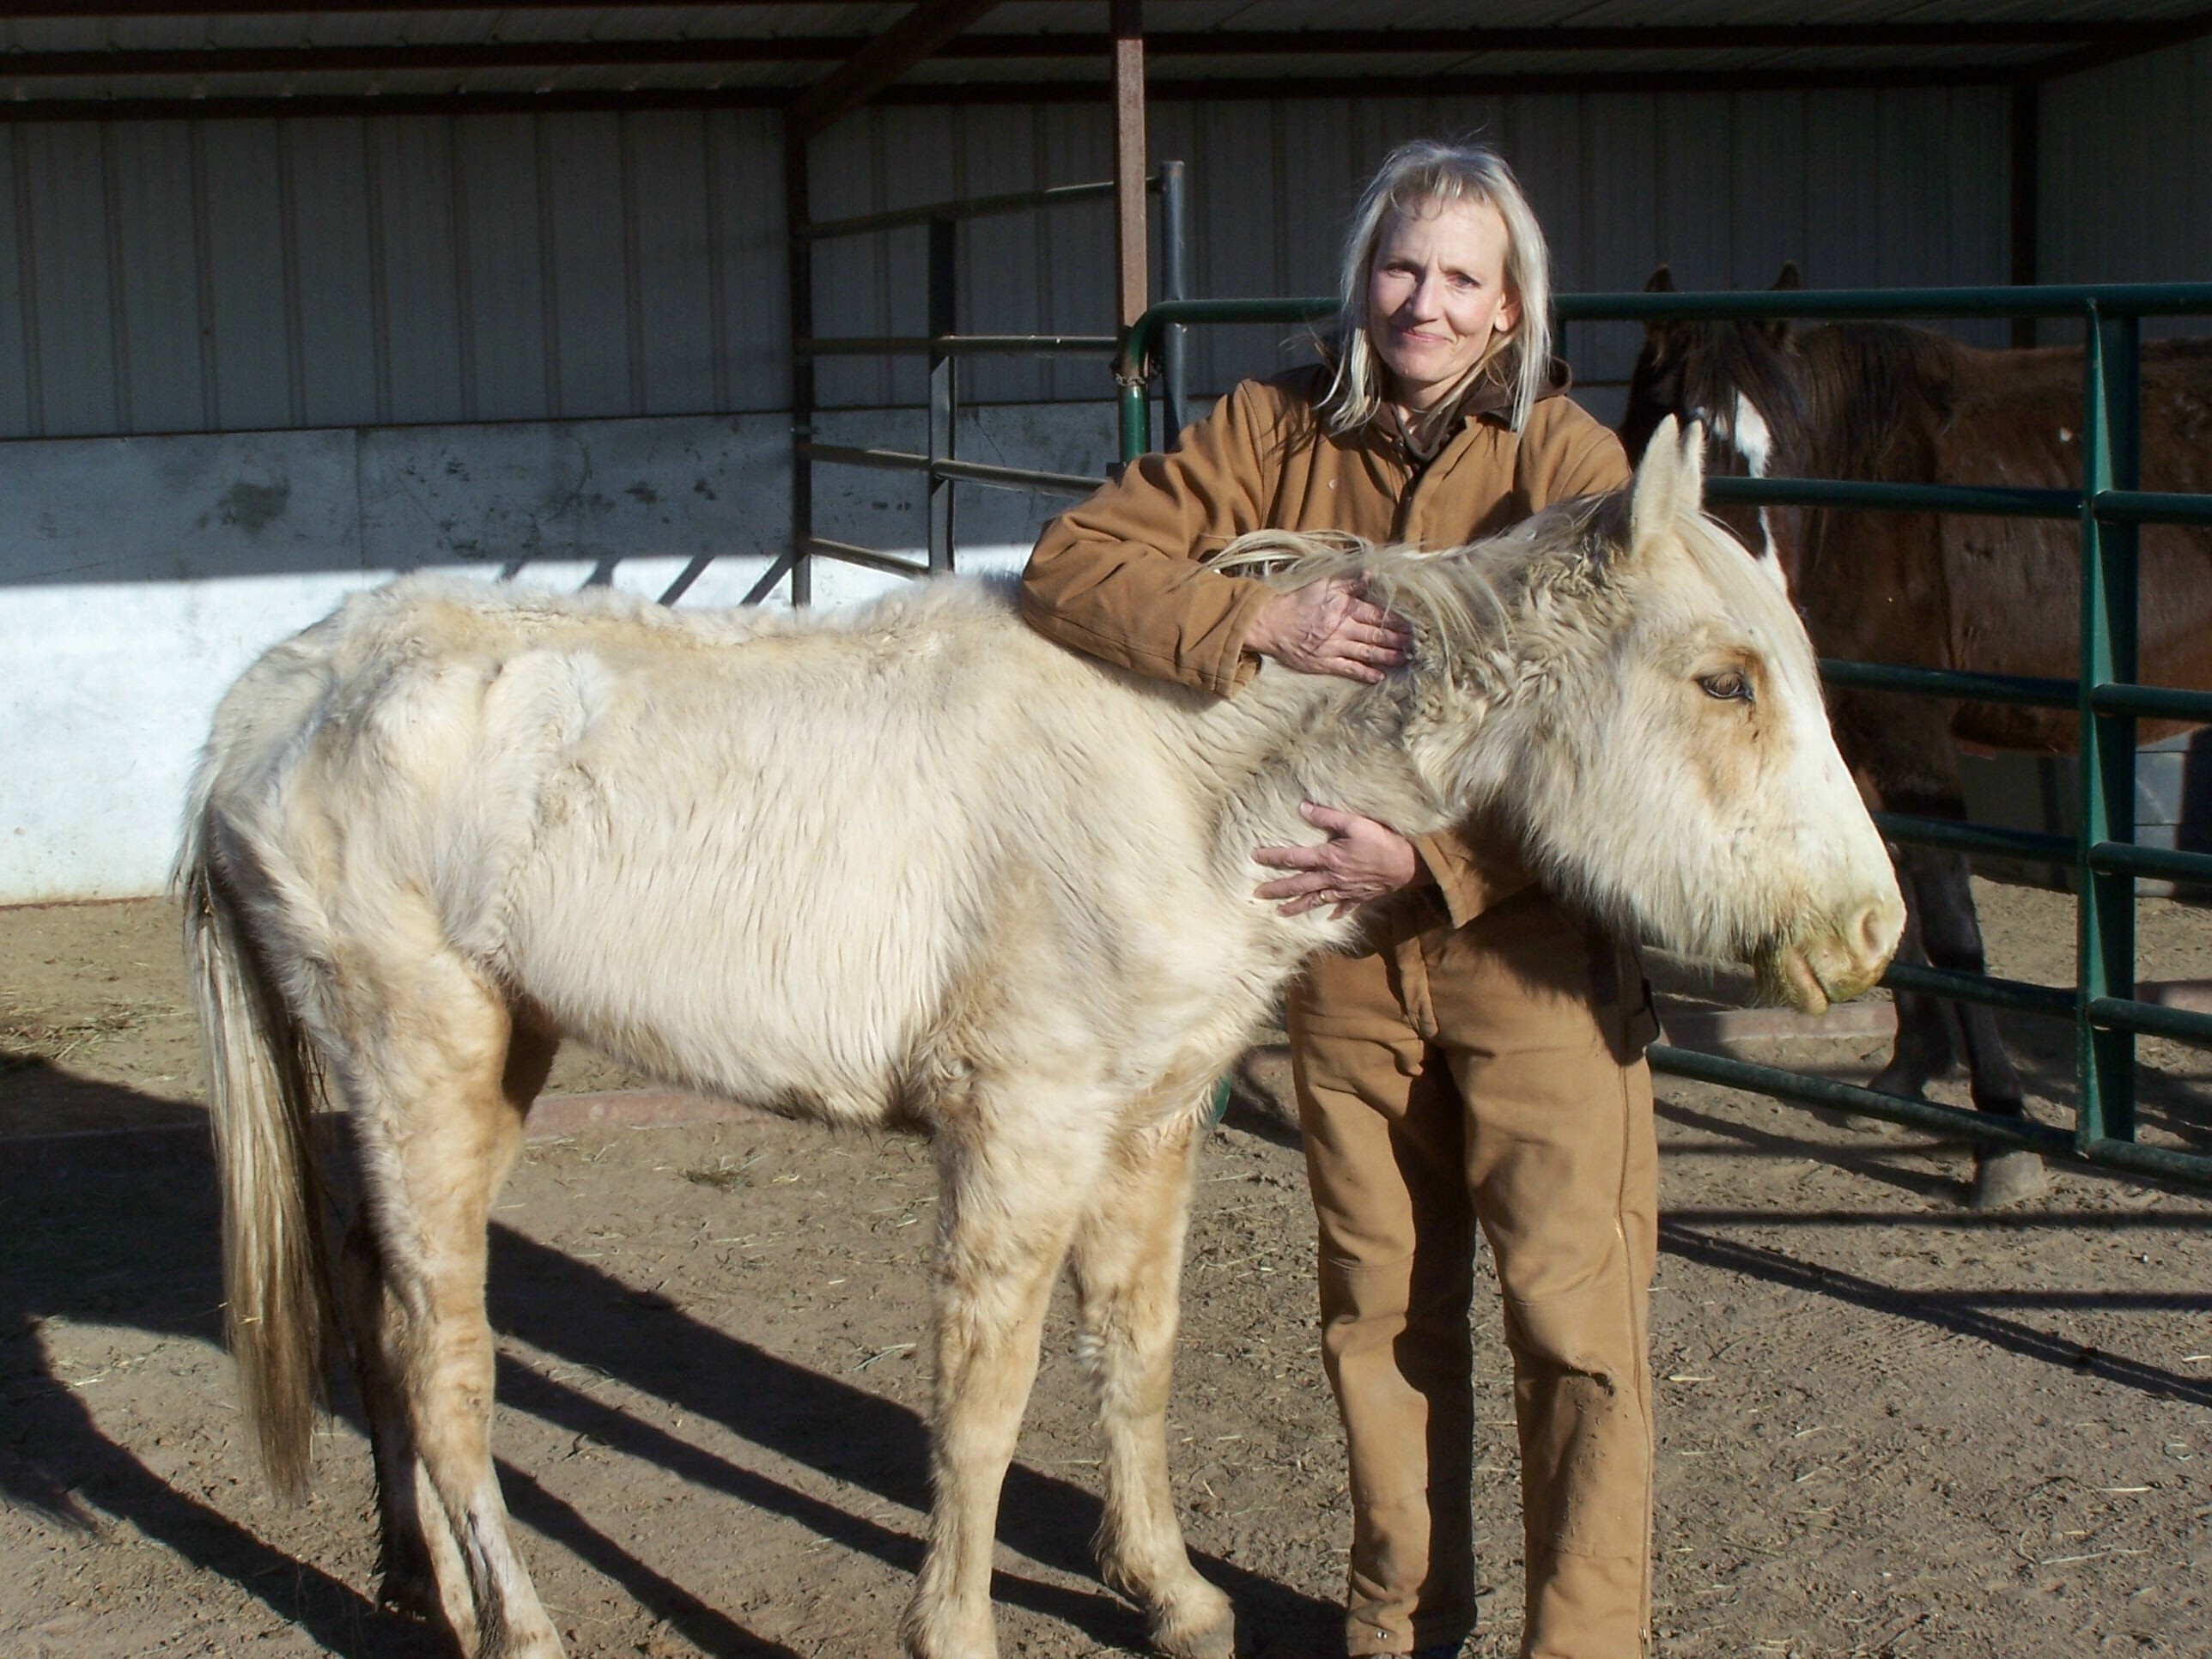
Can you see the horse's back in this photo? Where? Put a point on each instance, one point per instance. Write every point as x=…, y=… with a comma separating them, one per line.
x=758, y=853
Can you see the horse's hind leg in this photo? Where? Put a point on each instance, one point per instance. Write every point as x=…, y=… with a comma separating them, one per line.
x=375, y=1336
x=1127, y=1265
x=416, y=1549
x=1007, y=1198
x=428, y=1076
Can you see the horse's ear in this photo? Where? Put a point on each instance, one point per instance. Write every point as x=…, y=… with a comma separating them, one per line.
x=1661, y=281
x=1669, y=485
x=1777, y=330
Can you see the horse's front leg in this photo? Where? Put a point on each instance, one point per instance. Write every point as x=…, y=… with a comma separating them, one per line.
x=1007, y=1202
x=1127, y=1264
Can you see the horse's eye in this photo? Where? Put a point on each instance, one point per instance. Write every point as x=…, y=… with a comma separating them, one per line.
x=1728, y=686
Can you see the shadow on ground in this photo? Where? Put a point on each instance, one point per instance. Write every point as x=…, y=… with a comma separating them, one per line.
x=105, y=1235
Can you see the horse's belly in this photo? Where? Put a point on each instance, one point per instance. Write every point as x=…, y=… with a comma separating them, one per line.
x=748, y=981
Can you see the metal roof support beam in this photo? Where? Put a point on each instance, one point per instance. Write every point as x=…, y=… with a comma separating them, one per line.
x=2138, y=39
x=713, y=51
x=914, y=37
x=130, y=108
x=1133, y=286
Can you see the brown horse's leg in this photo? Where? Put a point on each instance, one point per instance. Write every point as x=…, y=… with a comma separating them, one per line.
x=1128, y=1265
x=1951, y=933
x=1922, y=1049
x=1009, y=1197
x=1943, y=929
x=428, y=1057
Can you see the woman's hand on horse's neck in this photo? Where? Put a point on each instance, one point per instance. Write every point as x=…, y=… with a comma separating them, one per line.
x=1362, y=861
x=1331, y=628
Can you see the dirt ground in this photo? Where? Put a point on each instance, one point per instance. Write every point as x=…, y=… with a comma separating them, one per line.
x=1888, y=1426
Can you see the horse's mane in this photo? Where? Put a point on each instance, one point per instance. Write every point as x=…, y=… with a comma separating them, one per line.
x=1877, y=394
x=1465, y=600
x=1728, y=358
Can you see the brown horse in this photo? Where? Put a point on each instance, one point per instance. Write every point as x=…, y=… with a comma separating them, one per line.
x=1879, y=401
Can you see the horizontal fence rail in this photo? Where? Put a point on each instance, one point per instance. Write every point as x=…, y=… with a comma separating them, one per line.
x=943, y=347
x=2108, y=507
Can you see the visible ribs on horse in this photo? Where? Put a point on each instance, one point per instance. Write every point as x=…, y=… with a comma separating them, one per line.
x=913, y=866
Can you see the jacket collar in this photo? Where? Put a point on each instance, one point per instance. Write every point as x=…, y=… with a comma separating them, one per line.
x=1489, y=399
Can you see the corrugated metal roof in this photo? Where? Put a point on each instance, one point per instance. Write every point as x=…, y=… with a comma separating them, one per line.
x=485, y=51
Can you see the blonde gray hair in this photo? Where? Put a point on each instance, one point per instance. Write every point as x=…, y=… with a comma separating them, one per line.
x=1426, y=176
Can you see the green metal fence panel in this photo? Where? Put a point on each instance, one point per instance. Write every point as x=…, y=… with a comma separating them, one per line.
x=2109, y=508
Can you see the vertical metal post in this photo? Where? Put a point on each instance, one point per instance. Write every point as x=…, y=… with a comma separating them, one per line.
x=944, y=395
x=799, y=302
x=1173, y=276
x=1125, y=21
x=2025, y=122
x=2111, y=416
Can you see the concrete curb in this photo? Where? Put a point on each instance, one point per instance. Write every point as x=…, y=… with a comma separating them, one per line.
x=1718, y=1029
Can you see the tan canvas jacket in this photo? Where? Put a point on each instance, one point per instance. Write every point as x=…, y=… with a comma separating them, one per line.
x=1120, y=577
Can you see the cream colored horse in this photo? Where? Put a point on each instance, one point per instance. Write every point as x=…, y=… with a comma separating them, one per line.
x=914, y=866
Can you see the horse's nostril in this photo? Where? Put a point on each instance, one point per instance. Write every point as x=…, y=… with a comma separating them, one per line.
x=1877, y=931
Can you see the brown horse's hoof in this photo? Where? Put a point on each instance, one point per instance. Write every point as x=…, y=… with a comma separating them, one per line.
x=2006, y=1178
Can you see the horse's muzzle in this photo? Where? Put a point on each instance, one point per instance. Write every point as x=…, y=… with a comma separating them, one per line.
x=1834, y=965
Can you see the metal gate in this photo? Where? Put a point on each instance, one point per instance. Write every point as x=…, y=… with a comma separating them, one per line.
x=2110, y=508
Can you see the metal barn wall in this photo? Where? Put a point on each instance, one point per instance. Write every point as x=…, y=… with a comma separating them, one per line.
x=233, y=274
x=2126, y=172
x=250, y=366
x=1858, y=187
x=239, y=275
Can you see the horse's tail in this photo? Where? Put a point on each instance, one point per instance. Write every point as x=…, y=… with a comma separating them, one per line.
x=261, y=1094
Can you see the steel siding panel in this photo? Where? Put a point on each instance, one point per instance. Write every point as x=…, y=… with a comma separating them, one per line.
x=414, y=155
x=158, y=274
x=330, y=255
x=1001, y=258
x=15, y=346
x=749, y=166
x=1621, y=156
x=918, y=165
x=1767, y=179
x=63, y=167
x=246, y=267
x=593, y=305
x=2126, y=184
x=495, y=189
x=842, y=171
x=675, y=302
x=1076, y=146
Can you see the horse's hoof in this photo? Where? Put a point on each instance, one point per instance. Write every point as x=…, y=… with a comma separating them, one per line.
x=2006, y=1178
x=1906, y=1082
x=412, y=1596
x=1199, y=1623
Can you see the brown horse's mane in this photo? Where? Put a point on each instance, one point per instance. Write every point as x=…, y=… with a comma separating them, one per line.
x=1874, y=396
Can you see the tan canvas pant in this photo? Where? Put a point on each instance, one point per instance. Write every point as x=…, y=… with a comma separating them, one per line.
x=1490, y=1073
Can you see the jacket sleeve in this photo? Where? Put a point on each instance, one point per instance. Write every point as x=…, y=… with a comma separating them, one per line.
x=1474, y=868
x=1562, y=453
x=1567, y=452
x=1118, y=577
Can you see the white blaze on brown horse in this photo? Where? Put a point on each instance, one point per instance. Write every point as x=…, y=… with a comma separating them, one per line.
x=913, y=866
x=1886, y=403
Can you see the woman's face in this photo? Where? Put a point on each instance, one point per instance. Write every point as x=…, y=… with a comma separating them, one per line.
x=1436, y=296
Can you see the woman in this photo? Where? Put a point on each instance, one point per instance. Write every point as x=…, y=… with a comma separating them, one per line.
x=1484, y=1061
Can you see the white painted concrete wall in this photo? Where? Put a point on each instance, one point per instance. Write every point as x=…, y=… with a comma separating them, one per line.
x=139, y=576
